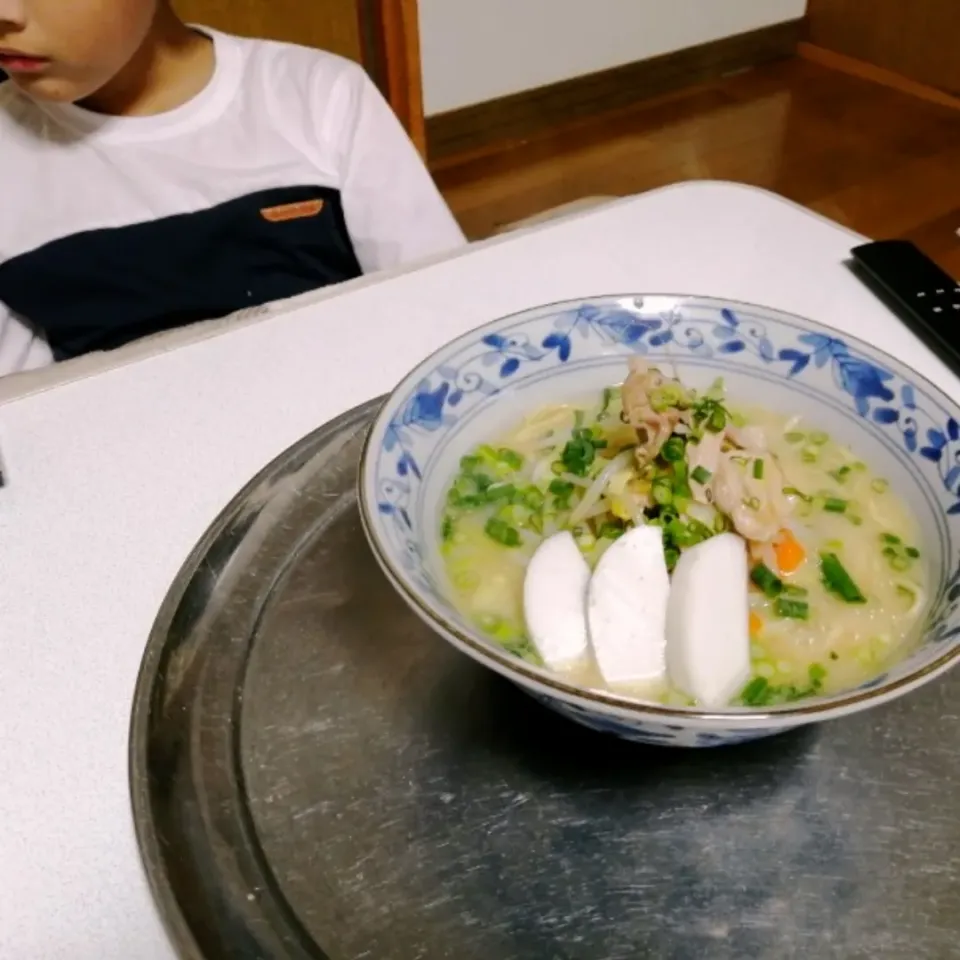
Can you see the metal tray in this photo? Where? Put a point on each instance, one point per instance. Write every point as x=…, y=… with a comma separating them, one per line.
x=316, y=775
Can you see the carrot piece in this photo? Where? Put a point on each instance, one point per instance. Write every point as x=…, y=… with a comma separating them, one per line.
x=790, y=554
x=756, y=624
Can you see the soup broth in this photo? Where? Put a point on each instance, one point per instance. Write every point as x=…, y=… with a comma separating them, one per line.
x=838, y=586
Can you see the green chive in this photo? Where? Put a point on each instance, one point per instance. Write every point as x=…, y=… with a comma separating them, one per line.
x=836, y=579
x=794, y=492
x=913, y=553
x=840, y=474
x=766, y=580
x=890, y=538
x=795, y=437
x=792, y=609
x=701, y=475
x=502, y=532
x=819, y=438
x=757, y=469
x=835, y=505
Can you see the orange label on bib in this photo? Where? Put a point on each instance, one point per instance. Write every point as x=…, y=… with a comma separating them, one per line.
x=292, y=211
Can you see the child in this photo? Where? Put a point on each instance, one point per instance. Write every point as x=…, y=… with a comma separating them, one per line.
x=154, y=175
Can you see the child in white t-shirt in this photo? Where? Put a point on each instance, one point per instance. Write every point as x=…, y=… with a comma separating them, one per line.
x=155, y=175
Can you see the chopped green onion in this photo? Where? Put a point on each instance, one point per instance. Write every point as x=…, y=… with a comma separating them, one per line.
x=819, y=438
x=899, y=564
x=532, y=498
x=662, y=491
x=556, y=468
x=904, y=591
x=794, y=492
x=671, y=555
x=792, y=590
x=890, y=538
x=817, y=675
x=840, y=474
x=701, y=475
x=511, y=458
x=913, y=553
x=668, y=396
x=836, y=579
x=792, y=609
x=755, y=693
x=607, y=398
x=834, y=655
x=610, y=531
x=502, y=532
x=879, y=485
x=718, y=420
x=752, y=503
x=674, y=450
x=500, y=491
x=835, y=505
x=447, y=529
x=469, y=463
x=809, y=455
x=795, y=437
x=757, y=469
x=561, y=488
x=766, y=580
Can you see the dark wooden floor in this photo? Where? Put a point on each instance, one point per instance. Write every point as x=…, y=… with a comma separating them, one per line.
x=872, y=158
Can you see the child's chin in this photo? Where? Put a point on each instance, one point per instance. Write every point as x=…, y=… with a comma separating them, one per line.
x=50, y=88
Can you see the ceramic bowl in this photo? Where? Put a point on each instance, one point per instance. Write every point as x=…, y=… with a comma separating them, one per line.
x=483, y=382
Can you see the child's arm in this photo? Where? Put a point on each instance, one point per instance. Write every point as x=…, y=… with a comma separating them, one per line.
x=21, y=348
x=393, y=209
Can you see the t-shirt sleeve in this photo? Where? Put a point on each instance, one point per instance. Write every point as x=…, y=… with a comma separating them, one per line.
x=393, y=209
x=21, y=347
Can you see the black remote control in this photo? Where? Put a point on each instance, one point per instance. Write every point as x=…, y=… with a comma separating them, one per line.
x=922, y=295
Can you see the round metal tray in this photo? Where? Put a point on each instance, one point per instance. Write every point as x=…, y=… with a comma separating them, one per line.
x=316, y=775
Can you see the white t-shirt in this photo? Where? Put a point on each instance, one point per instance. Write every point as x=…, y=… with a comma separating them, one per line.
x=288, y=172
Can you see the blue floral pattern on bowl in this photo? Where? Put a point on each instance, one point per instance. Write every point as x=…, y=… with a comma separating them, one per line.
x=912, y=426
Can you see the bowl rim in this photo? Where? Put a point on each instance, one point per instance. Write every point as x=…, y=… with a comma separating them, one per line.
x=481, y=650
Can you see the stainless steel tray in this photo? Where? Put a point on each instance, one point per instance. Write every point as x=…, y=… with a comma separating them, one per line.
x=315, y=774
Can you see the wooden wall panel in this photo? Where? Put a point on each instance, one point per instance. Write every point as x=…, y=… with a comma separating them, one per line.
x=329, y=24
x=915, y=38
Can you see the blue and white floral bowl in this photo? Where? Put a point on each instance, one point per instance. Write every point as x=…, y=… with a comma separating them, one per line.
x=482, y=383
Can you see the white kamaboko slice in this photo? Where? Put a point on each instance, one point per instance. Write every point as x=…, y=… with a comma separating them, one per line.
x=708, y=621
x=554, y=599
x=627, y=608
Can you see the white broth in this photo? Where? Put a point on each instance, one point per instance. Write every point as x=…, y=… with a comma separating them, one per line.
x=838, y=582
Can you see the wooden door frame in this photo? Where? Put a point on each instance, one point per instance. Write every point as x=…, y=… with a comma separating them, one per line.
x=390, y=36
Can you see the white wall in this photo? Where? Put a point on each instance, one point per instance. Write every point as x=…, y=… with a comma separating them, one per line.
x=477, y=50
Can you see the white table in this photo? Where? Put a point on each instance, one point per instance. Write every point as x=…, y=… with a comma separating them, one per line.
x=113, y=478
